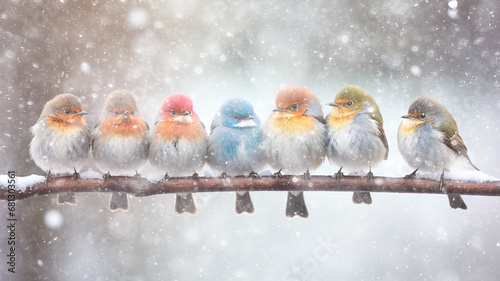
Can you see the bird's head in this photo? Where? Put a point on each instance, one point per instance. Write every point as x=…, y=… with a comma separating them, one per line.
x=426, y=109
x=238, y=113
x=64, y=109
x=351, y=100
x=121, y=107
x=295, y=100
x=177, y=108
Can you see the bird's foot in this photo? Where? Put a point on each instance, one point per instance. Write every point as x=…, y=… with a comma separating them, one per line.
x=253, y=175
x=412, y=175
x=307, y=175
x=76, y=175
x=338, y=175
x=196, y=176
x=106, y=176
x=369, y=175
x=47, y=179
x=223, y=175
x=166, y=177
x=442, y=186
x=278, y=175
x=137, y=176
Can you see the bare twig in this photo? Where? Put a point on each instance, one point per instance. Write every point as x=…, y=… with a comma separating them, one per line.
x=142, y=187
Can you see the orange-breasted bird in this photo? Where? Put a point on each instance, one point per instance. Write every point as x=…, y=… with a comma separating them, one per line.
x=119, y=141
x=294, y=138
x=178, y=144
x=60, y=143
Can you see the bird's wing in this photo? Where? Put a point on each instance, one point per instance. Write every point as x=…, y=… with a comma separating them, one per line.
x=456, y=143
x=383, y=138
x=314, y=109
x=217, y=121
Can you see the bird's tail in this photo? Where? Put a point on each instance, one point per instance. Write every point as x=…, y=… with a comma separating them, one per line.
x=118, y=201
x=362, y=197
x=184, y=203
x=296, y=206
x=456, y=201
x=66, y=198
x=244, y=202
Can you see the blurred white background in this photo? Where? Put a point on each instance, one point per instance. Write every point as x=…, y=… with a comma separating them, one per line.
x=396, y=50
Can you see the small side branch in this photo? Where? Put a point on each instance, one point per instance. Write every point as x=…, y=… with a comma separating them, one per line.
x=142, y=187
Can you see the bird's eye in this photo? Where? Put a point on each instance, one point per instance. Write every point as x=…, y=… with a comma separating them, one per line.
x=349, y=103
x=423, y=115
x=294, y=106
x=132, y=112
x=67, y=111
x=116, y=113
x=173, y=112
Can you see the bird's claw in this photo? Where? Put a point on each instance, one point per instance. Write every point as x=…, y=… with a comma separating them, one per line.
x=369, y=176
x=278, y=175
x=412, y=175
x=442, y=186
x=106, y=176
x=137, y=176
x=196, y=176
x=76, y=175
x=47, y=179
x=166, y=177
x=307, y=175
x=253, y=175
x=338, y=175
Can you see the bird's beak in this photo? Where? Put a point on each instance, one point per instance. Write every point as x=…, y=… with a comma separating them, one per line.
x=333, y=104
x=185, y=113
x=247, y=122
x=406, y=116
x=83, y=112
x=278, y=109
x=184, y=118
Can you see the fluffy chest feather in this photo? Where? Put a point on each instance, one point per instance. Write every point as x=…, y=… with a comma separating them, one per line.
x=171, y=131
x=355, y=142
x=295, y=124
x=110, y=128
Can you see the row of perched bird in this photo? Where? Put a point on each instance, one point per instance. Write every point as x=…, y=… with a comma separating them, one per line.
x=295, y=139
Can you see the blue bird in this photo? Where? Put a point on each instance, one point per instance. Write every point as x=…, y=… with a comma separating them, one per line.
x=234, y=145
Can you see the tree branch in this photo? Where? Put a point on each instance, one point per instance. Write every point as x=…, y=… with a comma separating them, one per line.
x=142, y=187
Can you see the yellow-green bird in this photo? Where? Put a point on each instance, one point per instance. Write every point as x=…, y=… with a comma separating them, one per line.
x=356, y=137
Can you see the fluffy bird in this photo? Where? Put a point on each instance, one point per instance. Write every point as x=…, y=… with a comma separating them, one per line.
x=356, y=137
x=60, y=143
x=119, y=141
x=294, y=138
x=429, y=141
x=234, y=145
x=178, y=144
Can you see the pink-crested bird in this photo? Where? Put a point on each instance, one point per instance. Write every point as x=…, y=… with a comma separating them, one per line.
x=119, y=141
x=178, y=144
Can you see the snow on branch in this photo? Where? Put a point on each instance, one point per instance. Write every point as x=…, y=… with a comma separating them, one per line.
x=139, y=186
